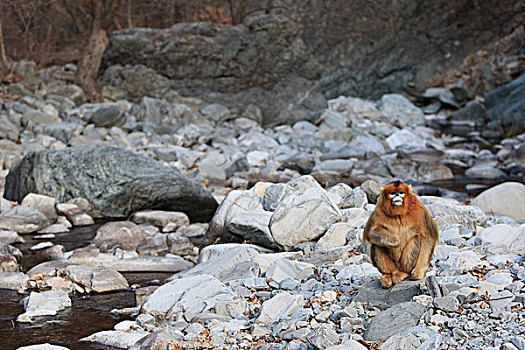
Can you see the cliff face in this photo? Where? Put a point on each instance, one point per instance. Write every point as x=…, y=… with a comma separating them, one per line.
x=311, y=49
x=247, y=64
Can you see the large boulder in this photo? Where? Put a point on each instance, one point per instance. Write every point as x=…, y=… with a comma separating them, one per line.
x=504, y=199
x=246, y=64
x=116, y=182
x=506, y=106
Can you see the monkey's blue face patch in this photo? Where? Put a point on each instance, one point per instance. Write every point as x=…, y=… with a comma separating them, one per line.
x=397, y=198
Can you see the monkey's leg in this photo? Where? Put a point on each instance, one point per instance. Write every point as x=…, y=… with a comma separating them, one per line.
x=408, y=260
x=423, y=260
x=384, y=264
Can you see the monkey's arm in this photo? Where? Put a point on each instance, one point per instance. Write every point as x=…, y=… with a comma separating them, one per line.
x=379, y=234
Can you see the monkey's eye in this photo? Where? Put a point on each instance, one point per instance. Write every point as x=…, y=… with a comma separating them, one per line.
x=392, y=195
x=401, y=194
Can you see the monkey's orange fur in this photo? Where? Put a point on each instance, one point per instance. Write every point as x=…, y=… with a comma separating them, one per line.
x=401, y=238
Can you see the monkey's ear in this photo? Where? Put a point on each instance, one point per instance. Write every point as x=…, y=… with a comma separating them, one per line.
x=410, y=188
x=381, y=188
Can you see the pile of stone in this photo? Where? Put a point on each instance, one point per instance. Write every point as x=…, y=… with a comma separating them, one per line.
x=281, y=264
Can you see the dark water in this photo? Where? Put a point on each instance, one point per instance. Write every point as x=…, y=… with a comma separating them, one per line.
x=88, y=314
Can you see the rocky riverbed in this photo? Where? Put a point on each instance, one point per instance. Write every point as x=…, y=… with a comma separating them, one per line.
x=255, y=231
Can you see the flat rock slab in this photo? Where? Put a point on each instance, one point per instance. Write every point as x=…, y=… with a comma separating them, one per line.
x=383, y=298
x=23, y=219
x=115, y=339
x=393, y=321
x=116, y=181
x=13, y=280
x=188, y=296
x=45, y=346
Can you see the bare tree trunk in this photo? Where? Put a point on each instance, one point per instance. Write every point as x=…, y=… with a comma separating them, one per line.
x=90, y=63
x=130, y=23
x=86, y=77
x=3, y=59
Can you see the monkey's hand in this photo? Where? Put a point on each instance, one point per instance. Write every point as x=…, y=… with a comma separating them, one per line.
x=382, y=237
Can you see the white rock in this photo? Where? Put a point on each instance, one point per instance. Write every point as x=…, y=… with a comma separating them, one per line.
x=285, y=268
x=505, y=199
x=364, y=270
x=283, y=304
x=33, y=200
x=45, y=346
x=302, y=216
x=115, y=339
x=334, y=237
x=503, y=239
x=186, y=296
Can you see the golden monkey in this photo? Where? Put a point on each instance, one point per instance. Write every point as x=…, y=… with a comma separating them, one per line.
x=400, y=235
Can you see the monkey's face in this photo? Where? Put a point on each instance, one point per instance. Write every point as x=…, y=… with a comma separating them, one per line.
x=396, y=198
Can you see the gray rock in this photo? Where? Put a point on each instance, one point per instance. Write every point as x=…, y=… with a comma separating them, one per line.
x=10, y=237
x=221, y=261
x=135, y=82
x=9, y=129
x=282, y=304
x=348, y=345
x=253, y=226
x=74, y=215
x=179, y=244
x=273, y=196
x=108, y=178
x=322, y=337
x=285, y=268
x=505, y=199
x=37, y=117
x=63, y=131
x=108, y=117
x=45, y=346
x=71, y=91
x=13, y=280
x=118, y=234
x=364, y=271
x=93, y=258
x=158, y=340
x=384, y=298
x=302, y=215
x=10, y=257
x=400, y=110
x=503, y=239
x=153, y=245
x=23, y=219
x=235, y=202
x=160, y=218
x=412, y=338
x=47, y=303
x=506, y=107
x=449, y=214
x=393, y=321
x=447, y=303
x=334, y=237
x=96, y=279
x=372, y=189
x=216, y=112
x=231, y=308
x=115, y=339
x=187, y=297
x=459, y=262
x=356, y=199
